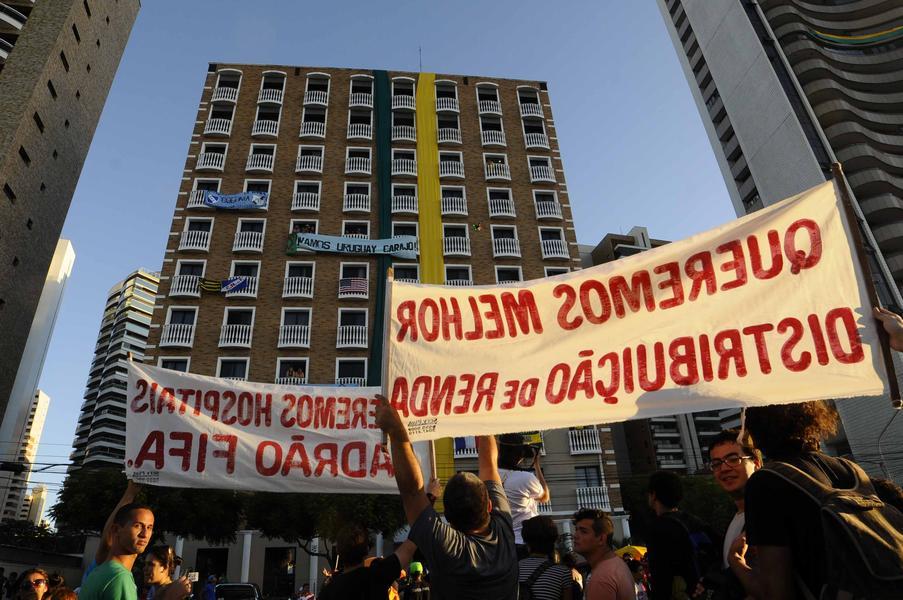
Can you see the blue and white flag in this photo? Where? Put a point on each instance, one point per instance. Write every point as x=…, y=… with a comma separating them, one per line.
x=242, y=201
x=403, y=246
x=234, y=284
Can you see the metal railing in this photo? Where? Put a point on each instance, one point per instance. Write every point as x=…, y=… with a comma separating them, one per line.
x=490, y=107
x=260, y=162
x=235, y=336
x=248, y=241
x=449, y=135
x=306, y=201
x=298, y=287
x=536, y=140
x=548, y=209
x=211, y=160
x=501, y=207
x=530, y=109
x=218, y=127
x=403, y=203
x=265, y=127
x=294, y=336
x=270, y=95
x=356, y=203
x=453, y=205
x=316, y=97
x=542, y=173
x=492, y=137
x=351, y=336
x=593, y=497
x=177, y=334
x=358, y=165
x=506, y=247
x=456, y=246
x=185, y=285
x=195, y=240
x=313, y=129
x=224, y=94
x=584, y=441
x=498, y=171
x=351, y=381
x=404, y=166
x=362, y=99
x=554, y=249
x=196, y=199
x=360, y=131
x=451, y=168
x=447, y=104
x=404, y=133
x=403, y=101
x=310, y=162
x=291, y=381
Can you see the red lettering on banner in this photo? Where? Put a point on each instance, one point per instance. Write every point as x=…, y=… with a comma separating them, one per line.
x=758, y=332
x=343, y=413
x=818, y=338
x=327, y=456
x=797, y=258
x=705, y=358
x=185, y=400
x=245, y=408
x=420, y=392
x=151, y=450
x=359, y=413
x=287, y=419
x=553, y=395
x=153, y=398
x=615, y=375
x=628, y=370
x=231, y=442
x=167, y=400
x=795, y=326
x=848, y=320
x=407, y=320
x=510, y=394
x=582, y=379
x=185, y=451
x=729, y=347
x=642, y=365
x=755, y=256
x=704, y=274
x=262, y=468
x=737, y=264
x=381, y=462
x=640, y=288
x=324, y=412
x=521, y=311
x=527, y=395
x=263, y=410
x=451, y=315
x=202, y=452
x=465, y=393
x=305, y=411
x=493, y=316
x=226, y=417
x=400, y=396
x=485, y=391
x=570, y=300
x=296, y=458
x=443, y=395
x=477, y=332
x=590, y=289
x=682, y=352
x=349, y=468
x=428, y=323
x=138, y=404
x=211, y=404
x=672, y=283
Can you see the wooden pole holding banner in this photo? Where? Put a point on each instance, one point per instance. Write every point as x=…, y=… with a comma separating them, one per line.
x=855, y=224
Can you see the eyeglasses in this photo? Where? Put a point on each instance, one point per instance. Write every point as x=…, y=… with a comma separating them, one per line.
x=731, y=460
x=38, y=582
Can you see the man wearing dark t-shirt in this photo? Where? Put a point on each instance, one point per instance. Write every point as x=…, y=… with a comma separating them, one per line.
x=359, y=582
x=671, y=567
x=472, y=556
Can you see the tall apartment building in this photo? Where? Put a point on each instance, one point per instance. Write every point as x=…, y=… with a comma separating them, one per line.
x=34, y=504
x=124, y=328
x=57, y=61
x=13, y=486
x=786, y=88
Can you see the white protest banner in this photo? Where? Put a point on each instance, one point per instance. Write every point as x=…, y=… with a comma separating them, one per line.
x=188, y=430
x=771, y=308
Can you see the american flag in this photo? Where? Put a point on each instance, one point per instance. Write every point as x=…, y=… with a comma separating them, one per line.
x=352, y=285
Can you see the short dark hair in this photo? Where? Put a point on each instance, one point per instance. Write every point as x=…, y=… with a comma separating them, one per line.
x=353, y=543
x=540, y=534
x=124, y=514
x=466, y=502
x=601, y=521
x=786, y=430
x=667, y=488
x=731, y=436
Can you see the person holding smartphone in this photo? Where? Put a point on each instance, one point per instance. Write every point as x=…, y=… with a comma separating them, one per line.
x=523, y=488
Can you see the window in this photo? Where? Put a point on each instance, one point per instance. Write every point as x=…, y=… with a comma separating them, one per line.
x=460, y=273
x=448, y=121
x=352, y=317
x=304, y=226
x=454, y=231
x=233, y=368
x=267, y=112
x=406, y=271
x=228, y=79
x=51, y=89
x=508, y=274
x=354, y=270
x=400, y=228
x=245, y=269
x=260, y=186
x=221, y=111
x=402, y=118
x=209, y=185
x=212, y=148
x=181, y=316
x=296, y=316
x=64, y=61
x=318, y=83
x=239, y=316
x=291, y=368
x=361, y=85
x=299, y=269
x=588, y=476
x=551, y=233
x=174, y=364
x=527, y=96
x=446, y=89
x=359, y=153
x=552, y=271
x=38, y=122
x=350, y=368
x=357, y=229
x=487, y=93
x=193, y=224
x=402, y=87
x=307, y=187
x=454, y=157
x=78, y=38
x=506, y=233
x=190, y=268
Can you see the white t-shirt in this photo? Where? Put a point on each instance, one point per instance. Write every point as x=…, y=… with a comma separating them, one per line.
x=522, y=489
x=738, y=523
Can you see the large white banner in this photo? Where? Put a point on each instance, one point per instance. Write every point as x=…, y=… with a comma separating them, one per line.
x=770, y=308
x=188, y=430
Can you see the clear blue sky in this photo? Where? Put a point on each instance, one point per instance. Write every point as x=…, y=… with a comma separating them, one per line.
x=633, y=145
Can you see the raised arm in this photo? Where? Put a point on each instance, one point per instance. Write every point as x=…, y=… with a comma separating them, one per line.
x=546, y=494
x=128, y=496
x=408, y=476
x=488, y=452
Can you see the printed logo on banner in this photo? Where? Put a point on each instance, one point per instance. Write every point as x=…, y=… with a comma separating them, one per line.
x=404, y=246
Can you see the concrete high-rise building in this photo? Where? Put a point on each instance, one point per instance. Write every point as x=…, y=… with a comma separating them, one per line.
x=57, y=61
x=33, y=506
x=13, y=486
x=785, y=89
x=124, y=328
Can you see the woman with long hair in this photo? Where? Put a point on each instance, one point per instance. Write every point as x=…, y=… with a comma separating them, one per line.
x=35, y=580
x=159, y=567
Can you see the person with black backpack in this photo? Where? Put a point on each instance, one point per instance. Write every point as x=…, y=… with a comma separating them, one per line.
x=540, y=576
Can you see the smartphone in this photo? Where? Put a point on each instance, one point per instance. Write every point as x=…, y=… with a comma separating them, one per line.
x=193, y=576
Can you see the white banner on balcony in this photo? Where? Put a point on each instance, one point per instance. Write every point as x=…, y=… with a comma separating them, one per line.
x=770, y=308
x=185, y=430
x=403, y=246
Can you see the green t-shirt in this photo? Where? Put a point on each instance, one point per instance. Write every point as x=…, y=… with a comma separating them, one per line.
x=109, y=581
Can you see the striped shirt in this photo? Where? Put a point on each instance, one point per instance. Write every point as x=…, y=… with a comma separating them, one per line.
x=550, y=584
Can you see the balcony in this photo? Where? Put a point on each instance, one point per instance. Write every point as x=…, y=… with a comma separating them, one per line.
x=407, y=280
x=447, y=105
x=555, y=249
x=404, y=133
x=404, y=166
x=235, y=336
x=291, y=381
x=544, y=508
x=404, y=204
x=195, y=240
x=218, y=127
x=542, y=173
x=210, y=161
x=314, y=129
x=490, y=107
x=548, y=209
x=248, y=241
x=249, y=291
x=306, y=201
x=449, y=135
x=265, y=128
x=459, y=282
x=536, y=140
x=225, y=94
x=451, y=168
x=298, y=287
x=351, y=381
x=353, y=288
x=454, y=205
x=506, y=247
x=360, y=100
x=456, y=246
x=493, y=138
x=360, y=131
x=467, y=450
x=584, y=441
x=270, y=96
x=403, y=101
x=357, y=166
x=316, y=97
x=185, y=286
x=530, y=109
x=311, y=163
x=501, y=207
x=196, y=199
x=294, y=336
x=260, y=162
x=356, y=203
x=593, y=497
x=177, y=334
x=351, y=336
x=498, y=171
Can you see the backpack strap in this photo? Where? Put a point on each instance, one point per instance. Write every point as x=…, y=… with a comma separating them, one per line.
x=862, y=493
x=537, y=573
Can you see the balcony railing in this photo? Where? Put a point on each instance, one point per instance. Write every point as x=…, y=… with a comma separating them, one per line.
x=536, y=140
x=506, y=247
x=360, y=99
x=353, y=288
x=313, y=129
x=403, y=101
x=360, y=131
x=404, y=133
x=451, y=168
x=265, y=127
x=447, y=104
x=260, y=162
x=210, y=161
x=584, y=441
x=404, y=204
x=449, y=135
x=459, y=282
x=498, y=171
x=294, y=336
x=468, y=450
x=224, y=94
x=492, y=137
x=544, y=508
x=542, y=173
x=311, y=162
x=407, y=279
x=501, y=207
x=185, y=285
x=456, y=246
x=351, y=336
x=530, y=109
x=177, y=334
x=356, y=203
x=490, y=107
x=351, y=381
x=306, y=201
x=316, y=97
x=357, y=166
x=248, y=241
x=554, y=249
x=235, y=336
x=218, y=127
x=195, y=240
x=298, y=287
x=454, y=205
x=196, y=199
x=291, y=381
x=404, y=166
x=270, y=96
x=548, y=209
x=593, y=497
x=249, y=291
